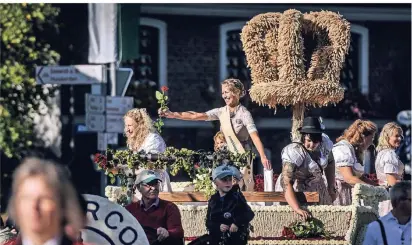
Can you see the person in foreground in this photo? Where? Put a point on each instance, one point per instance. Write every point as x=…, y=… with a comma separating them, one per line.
x=160, y=219
x=228, y=214
x=395, y=227
x=43, y=202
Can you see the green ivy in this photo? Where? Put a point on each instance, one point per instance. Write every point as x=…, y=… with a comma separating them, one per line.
x=198, y=164
x=24, y=28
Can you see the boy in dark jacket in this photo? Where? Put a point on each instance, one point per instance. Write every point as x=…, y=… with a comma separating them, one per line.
x=228, y=214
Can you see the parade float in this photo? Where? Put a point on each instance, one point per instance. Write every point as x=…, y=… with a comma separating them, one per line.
x=274, y=48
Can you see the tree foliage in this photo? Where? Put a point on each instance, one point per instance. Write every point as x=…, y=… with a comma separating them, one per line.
x=25, y=29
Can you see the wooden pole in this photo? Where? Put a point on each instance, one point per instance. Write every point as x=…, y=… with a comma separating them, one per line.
x=297, y=119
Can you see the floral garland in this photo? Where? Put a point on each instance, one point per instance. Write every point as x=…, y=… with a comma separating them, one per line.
x=198, y=164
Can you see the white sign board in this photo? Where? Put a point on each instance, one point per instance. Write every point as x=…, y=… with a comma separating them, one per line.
x=95, y=103
x=114, y=123
x=78, y=74
x=95, y=122
x=112, y=138
x=111, y=224
x=102, y=141
x=118, y=105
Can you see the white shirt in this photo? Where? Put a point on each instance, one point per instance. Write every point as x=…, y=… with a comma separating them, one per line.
x=153, y=143
x=394, y=232
x=54, y=241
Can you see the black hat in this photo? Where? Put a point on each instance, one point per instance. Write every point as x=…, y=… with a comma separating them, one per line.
x=311, y=125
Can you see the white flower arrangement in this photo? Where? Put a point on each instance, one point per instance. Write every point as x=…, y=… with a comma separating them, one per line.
x=369, y=195
x=114, y=193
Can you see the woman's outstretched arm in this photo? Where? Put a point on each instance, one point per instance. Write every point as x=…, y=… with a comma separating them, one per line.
x=187, y=115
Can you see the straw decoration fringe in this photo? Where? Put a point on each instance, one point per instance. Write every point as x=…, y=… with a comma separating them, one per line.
x=273, y=45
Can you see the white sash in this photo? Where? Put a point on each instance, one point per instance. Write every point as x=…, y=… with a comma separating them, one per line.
x=236, y=147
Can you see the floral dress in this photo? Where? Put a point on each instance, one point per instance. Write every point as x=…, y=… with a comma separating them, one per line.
x=154, y=143
x=345, y=156
x=307, y=175
x=387, y=162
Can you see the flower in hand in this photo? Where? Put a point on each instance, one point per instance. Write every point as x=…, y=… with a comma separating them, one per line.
x=162, y=100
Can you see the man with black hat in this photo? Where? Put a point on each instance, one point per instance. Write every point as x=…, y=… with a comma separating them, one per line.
x=160, y=219
x=305, y=164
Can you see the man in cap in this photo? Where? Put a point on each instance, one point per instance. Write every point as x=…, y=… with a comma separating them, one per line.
x=160, y=219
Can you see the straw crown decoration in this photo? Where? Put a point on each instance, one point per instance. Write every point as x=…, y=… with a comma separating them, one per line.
x=274, y=48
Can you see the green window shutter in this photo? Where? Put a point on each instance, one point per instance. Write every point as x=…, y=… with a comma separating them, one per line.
x=129, y=23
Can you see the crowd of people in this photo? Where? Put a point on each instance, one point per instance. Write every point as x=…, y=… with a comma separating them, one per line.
x=53, y=212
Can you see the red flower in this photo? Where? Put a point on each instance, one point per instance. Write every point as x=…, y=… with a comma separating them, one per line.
x=197, y=165
x=288, y=233
x=164, y=88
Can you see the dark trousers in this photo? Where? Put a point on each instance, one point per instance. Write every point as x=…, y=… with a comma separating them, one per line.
x=233, y=239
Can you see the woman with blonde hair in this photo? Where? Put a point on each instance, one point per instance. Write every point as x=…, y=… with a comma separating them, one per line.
x=348, y=154
x=389, y=169
x=43, y=202
x=236, y=123
x=143, y=137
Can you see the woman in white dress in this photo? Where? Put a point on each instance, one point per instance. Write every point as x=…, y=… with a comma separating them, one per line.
x=348, y=154
x=389, y=169
x=305, y=164
x=142, y=136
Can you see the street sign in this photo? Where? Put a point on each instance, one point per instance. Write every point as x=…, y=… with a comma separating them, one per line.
x=123, y=77
x=101, y=141
x=95, y=122
x=112, y=138
x=114, y=123
x=95, y=103
x=118, y=105
x=77, y=74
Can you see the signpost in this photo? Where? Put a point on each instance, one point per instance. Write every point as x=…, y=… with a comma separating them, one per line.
x=103, y=113
x=118, y=105
x=95, y=122
x=71, y=75
x=95, y=103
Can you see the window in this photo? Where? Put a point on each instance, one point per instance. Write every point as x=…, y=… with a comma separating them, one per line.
x=150, y=68
x=153, y=51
